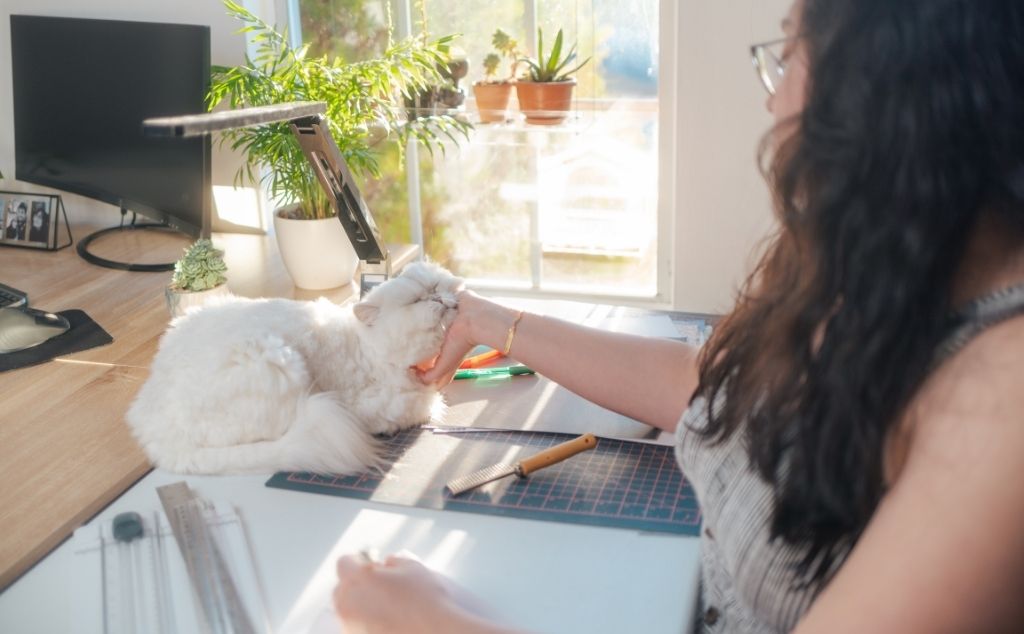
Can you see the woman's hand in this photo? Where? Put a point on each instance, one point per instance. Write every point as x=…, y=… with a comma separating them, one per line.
x=400, y=595
x=647, y=378
x=477, y=321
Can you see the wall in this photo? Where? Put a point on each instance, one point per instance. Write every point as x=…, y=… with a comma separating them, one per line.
x=722, y=204
x=227, y=48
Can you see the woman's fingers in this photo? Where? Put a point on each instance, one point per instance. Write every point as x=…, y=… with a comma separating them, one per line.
x=453, y=350
x=349, y=565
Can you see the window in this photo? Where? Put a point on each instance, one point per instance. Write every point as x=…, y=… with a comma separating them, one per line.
x=568, y=210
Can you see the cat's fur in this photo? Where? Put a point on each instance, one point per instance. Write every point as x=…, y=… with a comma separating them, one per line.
x=244, y=385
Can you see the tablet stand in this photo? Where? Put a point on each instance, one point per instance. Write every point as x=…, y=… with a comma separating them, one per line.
x=310, y=128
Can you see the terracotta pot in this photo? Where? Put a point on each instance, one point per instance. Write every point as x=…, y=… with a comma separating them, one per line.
x=316, y=253
x=545, y=103
x=492, y=101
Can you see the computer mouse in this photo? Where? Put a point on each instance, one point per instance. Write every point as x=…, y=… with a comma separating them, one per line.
x=24, y=327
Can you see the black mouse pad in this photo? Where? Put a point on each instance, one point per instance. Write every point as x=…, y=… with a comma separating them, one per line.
x=83, y=334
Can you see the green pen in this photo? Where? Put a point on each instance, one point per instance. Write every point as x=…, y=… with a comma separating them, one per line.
x=491, y=373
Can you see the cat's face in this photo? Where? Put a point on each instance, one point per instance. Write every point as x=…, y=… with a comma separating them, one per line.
x=407, y=315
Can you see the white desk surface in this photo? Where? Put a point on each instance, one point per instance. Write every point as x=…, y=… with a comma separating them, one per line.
x=544, y=576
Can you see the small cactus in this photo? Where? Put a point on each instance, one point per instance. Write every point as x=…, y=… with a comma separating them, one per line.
x=200, y=268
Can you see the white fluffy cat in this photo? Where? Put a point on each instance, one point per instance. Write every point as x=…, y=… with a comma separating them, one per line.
x=244, y=386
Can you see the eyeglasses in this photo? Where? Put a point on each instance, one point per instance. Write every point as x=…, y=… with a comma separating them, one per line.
x=767, y=58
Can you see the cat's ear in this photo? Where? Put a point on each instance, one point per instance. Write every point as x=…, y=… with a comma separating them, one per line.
x=366, y=312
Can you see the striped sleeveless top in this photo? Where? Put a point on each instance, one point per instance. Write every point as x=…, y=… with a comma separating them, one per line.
x=748, y=582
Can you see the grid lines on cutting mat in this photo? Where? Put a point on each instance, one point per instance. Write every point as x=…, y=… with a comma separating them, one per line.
x=618, y=484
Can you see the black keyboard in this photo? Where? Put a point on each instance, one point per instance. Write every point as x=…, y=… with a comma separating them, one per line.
x=12, y=296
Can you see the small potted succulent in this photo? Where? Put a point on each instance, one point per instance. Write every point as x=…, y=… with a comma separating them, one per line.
x=198, y=276
x=493, y=92
x=545, y=95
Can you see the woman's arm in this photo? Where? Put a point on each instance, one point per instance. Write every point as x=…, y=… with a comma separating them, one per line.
x=646, y=378
x=944, y=551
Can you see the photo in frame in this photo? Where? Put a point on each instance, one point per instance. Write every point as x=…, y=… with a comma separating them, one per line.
x=33, y=221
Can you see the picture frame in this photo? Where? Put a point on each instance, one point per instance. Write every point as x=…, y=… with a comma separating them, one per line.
x=33, y=221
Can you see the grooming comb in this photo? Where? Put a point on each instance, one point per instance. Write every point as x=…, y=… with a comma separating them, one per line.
x=524, y=467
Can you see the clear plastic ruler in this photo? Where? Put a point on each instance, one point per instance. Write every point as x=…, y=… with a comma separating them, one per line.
x=221, y=608
x=188, y=569
x=137, y=594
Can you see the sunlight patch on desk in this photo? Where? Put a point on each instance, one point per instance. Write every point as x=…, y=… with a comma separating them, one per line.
x=312, y=611
x=384, y=534
x=444, y=554
x=469, y=411
x=538, y=408
x=413, y=484
x=101, y=364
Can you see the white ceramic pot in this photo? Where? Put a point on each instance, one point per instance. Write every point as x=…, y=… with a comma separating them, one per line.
x=316, y=253
x=180, y=301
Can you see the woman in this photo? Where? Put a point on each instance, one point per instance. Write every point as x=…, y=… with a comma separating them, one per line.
x=40, y=224
x=863, y=473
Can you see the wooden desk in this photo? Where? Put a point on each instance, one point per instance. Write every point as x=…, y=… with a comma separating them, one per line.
x=65, y=452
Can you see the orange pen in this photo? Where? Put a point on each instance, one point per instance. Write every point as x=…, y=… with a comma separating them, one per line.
x=478, y=360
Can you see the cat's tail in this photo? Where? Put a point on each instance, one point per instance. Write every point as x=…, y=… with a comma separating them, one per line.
x=324, y=438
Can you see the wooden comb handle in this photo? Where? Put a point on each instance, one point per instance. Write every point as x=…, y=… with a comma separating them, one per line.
x=557, y=453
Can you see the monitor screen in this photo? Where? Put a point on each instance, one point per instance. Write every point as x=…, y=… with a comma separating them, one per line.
x=81, y=91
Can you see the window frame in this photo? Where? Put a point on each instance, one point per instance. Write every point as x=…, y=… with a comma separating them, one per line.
x=666, y=212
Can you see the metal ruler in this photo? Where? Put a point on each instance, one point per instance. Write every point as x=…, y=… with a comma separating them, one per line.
x=221, y=608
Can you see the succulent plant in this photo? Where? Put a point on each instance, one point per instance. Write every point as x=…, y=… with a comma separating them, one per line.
x=505, y=47
x=200, y=268
x=491, y=62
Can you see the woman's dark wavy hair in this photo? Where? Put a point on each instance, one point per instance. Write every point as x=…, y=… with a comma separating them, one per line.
x=912, y=128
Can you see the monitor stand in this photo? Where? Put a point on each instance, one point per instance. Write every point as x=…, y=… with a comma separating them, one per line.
x=83, y=246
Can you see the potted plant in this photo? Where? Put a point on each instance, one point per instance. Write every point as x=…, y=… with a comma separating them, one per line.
x=447, y=95
x=198, y=276
x=546, y=94
x=492, y=92
x=361, y=100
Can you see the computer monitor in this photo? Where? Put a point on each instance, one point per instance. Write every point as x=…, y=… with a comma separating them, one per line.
x=82, y=88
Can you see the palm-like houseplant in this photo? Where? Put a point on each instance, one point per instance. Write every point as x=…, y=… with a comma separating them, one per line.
x=361, y=100
x=545, y=94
